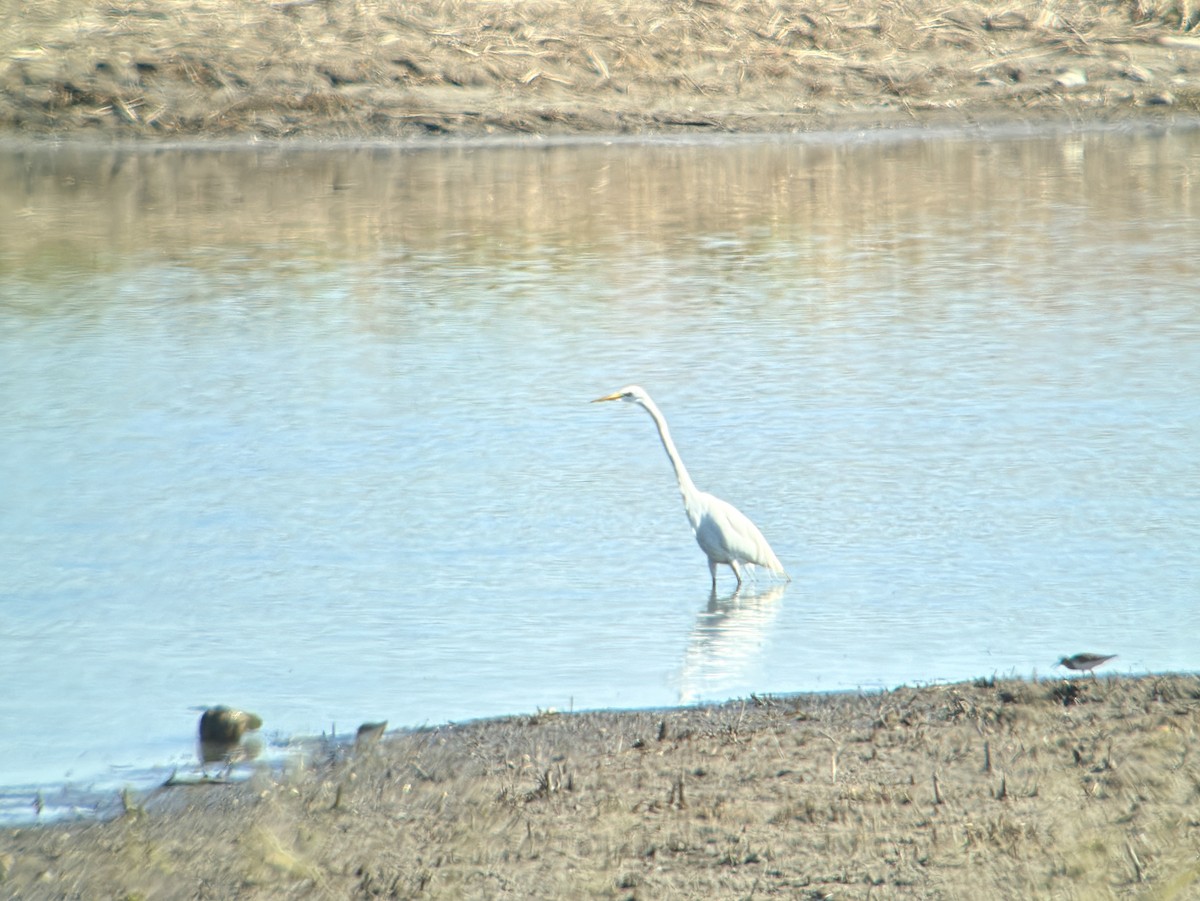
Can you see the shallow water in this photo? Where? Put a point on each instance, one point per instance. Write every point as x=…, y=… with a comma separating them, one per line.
x=306, y=430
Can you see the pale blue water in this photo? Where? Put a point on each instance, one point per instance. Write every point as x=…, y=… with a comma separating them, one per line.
x=308, y=432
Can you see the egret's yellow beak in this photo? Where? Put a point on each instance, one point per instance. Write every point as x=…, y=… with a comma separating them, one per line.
x=616, y=396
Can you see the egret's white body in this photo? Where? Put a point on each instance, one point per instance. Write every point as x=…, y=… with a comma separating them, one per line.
x=724, y=533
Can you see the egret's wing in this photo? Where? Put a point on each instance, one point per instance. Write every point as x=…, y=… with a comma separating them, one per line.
x=726, y=533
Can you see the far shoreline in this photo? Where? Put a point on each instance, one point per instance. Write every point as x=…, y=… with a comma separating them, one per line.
x=1004, y=130
x=160, y=71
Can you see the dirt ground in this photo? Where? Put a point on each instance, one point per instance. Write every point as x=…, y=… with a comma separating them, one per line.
x=1086, y=788
x=235, y=69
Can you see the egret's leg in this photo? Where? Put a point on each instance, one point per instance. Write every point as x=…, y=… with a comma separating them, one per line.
x=712, y=568
x=737, y=571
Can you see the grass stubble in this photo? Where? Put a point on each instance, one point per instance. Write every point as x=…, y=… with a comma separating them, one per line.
x=377, y=68
x=1086, y=788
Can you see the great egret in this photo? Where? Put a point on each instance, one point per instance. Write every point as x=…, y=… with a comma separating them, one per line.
x=724, y=533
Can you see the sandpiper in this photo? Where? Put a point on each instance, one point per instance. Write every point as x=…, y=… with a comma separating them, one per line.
x=1085, y=661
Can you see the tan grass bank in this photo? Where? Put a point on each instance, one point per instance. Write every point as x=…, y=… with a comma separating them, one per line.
x=368, y=68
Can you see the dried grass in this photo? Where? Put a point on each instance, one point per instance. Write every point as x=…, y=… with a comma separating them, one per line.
x=372, y=67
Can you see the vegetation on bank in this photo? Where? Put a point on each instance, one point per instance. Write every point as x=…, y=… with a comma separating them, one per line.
x=360, y=68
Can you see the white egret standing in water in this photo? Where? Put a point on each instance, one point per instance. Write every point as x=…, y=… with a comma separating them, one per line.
x=724, y=533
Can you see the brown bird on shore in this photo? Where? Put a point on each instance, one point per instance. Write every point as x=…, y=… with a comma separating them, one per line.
x=368, y=735
x=221, y=732
x=1085, y=661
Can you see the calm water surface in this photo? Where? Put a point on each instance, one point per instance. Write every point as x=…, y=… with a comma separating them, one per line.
x=307, y=431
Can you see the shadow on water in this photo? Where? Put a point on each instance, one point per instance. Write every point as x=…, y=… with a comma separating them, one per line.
x=727, y=642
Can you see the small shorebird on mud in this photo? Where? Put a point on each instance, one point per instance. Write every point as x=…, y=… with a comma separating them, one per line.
x=1085, y=661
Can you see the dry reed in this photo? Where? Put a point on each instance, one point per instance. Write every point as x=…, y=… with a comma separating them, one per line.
x=366, y=67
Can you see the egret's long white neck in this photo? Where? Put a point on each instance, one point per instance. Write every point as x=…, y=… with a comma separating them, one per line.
x=686, y=486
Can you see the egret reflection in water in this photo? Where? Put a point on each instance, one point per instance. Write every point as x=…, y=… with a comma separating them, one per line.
x=726, y=642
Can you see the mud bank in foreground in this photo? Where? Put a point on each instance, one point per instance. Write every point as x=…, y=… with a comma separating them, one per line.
x=1080, y=788
x=329, y=69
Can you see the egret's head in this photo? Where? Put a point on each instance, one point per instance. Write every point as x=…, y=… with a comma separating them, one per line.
x=631, y=393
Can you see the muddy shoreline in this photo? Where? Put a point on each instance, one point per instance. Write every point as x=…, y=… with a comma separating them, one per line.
x=1074, y=788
